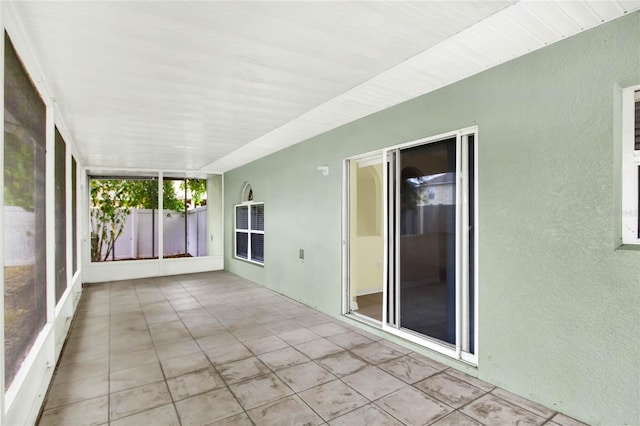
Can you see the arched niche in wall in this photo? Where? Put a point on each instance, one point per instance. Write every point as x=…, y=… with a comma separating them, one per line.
x=246, y=193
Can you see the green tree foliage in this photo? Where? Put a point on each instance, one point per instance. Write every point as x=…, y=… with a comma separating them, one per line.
x=19, y=176
x=113, y=199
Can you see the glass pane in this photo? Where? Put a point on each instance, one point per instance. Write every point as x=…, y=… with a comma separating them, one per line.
x=24, y=213
x=174, y=218
x=61, y=215
x=427, y=239
x=124, y=219
x=471, y=174
x=257, y=247
x=242, y=245
x=257, y=217
x=242, y=217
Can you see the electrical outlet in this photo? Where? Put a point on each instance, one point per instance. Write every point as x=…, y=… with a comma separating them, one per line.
x=301, y=255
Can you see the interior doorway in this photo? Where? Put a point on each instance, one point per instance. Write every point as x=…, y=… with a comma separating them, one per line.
x=365, y=242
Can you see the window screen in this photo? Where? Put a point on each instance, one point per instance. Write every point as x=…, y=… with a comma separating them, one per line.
x=25, y=222
x=61, y=214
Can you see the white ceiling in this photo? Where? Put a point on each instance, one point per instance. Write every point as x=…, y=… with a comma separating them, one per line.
x=209, y=86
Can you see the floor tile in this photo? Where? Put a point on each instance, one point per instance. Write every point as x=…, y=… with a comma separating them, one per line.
x=428, y=361
x=287, y=411
x=373, y=382
x=563, y=420
x=238, y=371
x=296, y=337
x=194, y=383
x=349, y=340
x=496, y=411
x=132, y=359
x=172, y=336
x=265, y=344
x=135, y=400
x=139, y=332
x=238, y=420
x=413, y=407
x=375, y=353
x=259, y=391
x=395, y=346
x=449, y=390
x=333, y=399
x=161, y=416
x=328, y=329
x=208, y=329
x=318, y=348
x=523, y=403
x=88, y=412
x=185, y=364
x=284, y=326
x=304, y=376
x=456, y=419
x=174, y=350
x=251, y=333
x=283, y=358
x=217, y=340
x=156, y=318
x=73, y=372
x=314, y=319
x=369, y=415
x=207, y=408
x=408, y=369
x=130, y=342
x=342, y=363
x=226, y=354
x=66, y=393
x=487, y=387
x=135, y=376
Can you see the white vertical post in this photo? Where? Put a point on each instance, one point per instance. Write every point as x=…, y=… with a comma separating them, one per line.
x=50, y=213
x=458, y=227
x=464, y=248
x=160, y=219
x=69, y=216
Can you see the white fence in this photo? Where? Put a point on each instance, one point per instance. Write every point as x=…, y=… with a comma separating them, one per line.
x=19, y=236
x=140, y=236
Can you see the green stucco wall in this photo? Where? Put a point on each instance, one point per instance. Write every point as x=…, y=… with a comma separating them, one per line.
x=559, y=305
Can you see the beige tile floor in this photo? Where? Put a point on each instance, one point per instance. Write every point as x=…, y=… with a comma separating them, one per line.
x=214, y=349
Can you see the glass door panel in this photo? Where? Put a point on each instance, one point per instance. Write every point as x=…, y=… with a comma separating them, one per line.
x=426, y=247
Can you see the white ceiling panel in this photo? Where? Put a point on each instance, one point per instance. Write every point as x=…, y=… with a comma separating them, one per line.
x=212, y=85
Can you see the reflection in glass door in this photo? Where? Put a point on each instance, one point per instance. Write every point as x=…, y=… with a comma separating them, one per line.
x=427, y=240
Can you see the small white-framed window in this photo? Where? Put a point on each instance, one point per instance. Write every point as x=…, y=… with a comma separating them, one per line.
x=249, y=232
x=631, y=165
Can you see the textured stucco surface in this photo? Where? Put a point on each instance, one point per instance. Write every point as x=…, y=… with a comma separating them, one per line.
x=559, y=305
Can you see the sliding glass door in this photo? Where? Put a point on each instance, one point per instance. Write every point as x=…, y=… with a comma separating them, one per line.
x=428, y=201
x=427, y=239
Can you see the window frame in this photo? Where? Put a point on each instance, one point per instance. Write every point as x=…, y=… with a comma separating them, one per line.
x=630, y=168
x=248, y=231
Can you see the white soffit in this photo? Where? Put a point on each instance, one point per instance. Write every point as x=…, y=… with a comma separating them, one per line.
x=209, y=86
x=515, y=31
